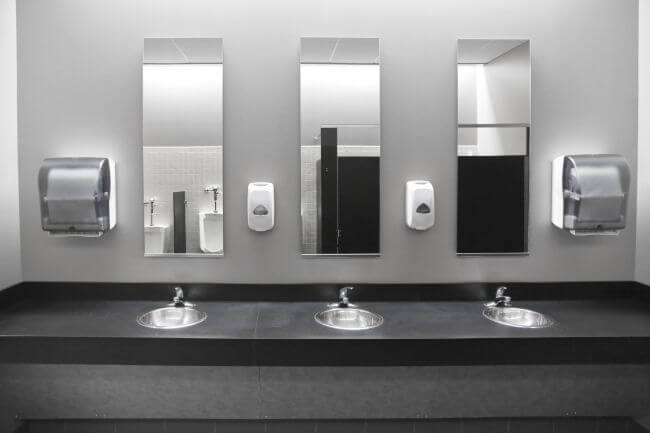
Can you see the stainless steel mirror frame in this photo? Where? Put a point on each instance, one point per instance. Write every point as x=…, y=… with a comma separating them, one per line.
x=343, y=255
x=220, y=59
x=529, y=124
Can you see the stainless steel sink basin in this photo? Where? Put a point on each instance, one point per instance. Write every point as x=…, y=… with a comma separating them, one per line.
x=517, y=317
x=172, y=318
x=348, y=318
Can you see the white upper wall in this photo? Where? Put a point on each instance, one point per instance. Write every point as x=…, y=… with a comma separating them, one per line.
x=10, y=267
x=496, y=92
x=643, y=206
x=503, y=88
x=468, y=92
x=182, y=105
x=339, y=95
x=80, y=92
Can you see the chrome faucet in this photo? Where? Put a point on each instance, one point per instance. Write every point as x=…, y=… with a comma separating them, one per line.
x=179, y=299
x=215, y=190
x=344, y=301
x=500, y=299
x=152, y=204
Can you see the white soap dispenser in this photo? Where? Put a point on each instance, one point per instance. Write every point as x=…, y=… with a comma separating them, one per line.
x=420, y=210
x=261, y=206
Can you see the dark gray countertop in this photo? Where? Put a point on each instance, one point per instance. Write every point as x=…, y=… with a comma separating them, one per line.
x=285, y=333
x=118, y=319
x=295, y=320
x=459, y=320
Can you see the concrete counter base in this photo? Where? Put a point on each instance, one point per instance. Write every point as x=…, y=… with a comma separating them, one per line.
x=34, y=391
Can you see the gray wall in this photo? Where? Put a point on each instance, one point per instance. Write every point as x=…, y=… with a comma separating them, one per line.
x=80, y=94
x=10, y=268
x=643, y=225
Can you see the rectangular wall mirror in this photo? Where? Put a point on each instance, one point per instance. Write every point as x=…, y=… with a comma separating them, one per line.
x=493, y=146
x=339, y=145
x=182, y=103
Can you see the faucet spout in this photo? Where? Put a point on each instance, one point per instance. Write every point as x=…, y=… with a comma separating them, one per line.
x=500, y=299
x=179, y=297
x=344, y=301
x=215, y=190
x=152, y=204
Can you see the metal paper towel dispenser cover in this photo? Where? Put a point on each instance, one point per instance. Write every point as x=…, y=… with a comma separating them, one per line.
x=590, y=193
x=77, y=196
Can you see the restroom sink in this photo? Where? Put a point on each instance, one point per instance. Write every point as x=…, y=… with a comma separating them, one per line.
x=348, y=318
x=517, y=317
x=172, y=318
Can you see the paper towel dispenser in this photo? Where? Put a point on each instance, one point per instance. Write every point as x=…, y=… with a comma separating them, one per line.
x=590, y=193
x=77, y=196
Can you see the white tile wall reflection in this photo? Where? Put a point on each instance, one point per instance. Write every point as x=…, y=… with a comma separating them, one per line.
x=187, y=168
x=310, y=170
